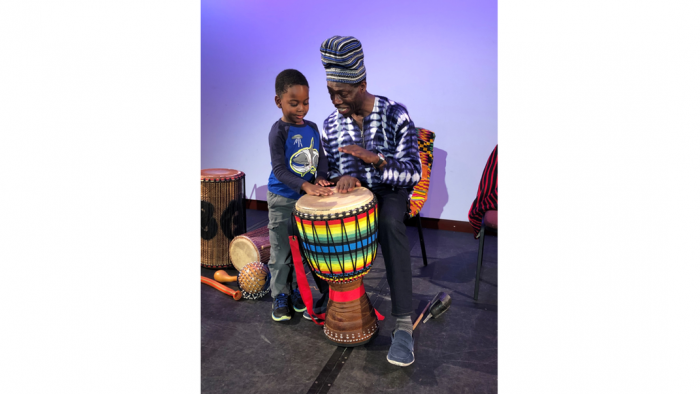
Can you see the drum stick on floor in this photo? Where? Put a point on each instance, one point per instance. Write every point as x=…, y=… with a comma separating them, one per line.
x=222, y=276
x=218, y=286
x=421, y=316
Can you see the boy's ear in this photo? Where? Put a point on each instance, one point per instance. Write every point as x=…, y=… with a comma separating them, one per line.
x=278, y=102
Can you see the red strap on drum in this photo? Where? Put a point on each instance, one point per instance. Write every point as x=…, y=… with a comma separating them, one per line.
x=346, y=296
x=352, y=295
x=303, y=283
x=379, y=315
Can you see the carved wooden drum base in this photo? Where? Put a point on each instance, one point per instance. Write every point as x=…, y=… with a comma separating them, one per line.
x=350, y=318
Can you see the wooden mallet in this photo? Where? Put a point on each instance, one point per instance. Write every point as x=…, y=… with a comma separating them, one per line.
x=439, y=305
x=421, y=316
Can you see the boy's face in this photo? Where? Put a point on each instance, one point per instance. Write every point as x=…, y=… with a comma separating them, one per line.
x=345, y=97
x=294, y=103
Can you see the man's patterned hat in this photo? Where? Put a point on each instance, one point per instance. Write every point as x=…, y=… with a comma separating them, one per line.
x=343, y=59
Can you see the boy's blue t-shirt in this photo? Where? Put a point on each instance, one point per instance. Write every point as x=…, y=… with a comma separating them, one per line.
x=301, y=149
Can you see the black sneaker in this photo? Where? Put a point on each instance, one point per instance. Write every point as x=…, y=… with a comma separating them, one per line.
x=280, y=308
x=297, y=302
x=307, y=316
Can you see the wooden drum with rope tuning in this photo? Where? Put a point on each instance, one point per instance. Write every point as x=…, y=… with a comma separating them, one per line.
x=338, y=238
x=251, y=246
x=223, y=214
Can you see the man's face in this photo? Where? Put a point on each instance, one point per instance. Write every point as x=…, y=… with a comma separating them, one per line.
x=294, y=103
x=345, y=97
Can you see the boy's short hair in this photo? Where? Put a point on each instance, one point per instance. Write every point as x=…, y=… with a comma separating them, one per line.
x=288, y=78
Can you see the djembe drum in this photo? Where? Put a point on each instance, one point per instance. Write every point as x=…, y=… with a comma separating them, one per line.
x=338, y=238
x=223, y=214
x=251, y=246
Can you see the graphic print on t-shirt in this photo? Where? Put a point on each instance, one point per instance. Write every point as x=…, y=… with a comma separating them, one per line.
x=297, y=140
x=304, y=160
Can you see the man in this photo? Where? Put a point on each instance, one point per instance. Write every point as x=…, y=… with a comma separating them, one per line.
x=371, y=141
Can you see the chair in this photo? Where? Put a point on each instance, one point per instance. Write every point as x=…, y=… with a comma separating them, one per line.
x=483, y=213
x=489, y=225
x=420, y=191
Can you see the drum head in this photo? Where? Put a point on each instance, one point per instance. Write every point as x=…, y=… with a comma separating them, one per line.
x=242, y=251
x=335, y=203
x=217, y=173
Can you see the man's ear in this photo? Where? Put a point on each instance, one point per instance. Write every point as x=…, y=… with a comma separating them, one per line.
x=363, y=85
x=278, y=102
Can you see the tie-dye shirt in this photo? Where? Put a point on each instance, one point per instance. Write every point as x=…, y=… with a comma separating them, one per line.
x=387, y=130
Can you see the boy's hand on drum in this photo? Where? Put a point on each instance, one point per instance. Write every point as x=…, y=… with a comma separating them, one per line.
x=347, y=183
x=323, y=182
x=360, y=152
x=315, y=190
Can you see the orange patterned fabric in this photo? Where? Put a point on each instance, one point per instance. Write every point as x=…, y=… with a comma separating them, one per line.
x=420, y=191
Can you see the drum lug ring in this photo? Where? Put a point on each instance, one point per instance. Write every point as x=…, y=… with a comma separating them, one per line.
x=343, y=215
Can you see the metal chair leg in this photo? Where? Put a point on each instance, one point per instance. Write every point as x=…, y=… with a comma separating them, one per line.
x=479, y=257
x=422, y=244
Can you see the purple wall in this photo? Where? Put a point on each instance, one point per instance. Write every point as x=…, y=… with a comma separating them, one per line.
x=437, y=58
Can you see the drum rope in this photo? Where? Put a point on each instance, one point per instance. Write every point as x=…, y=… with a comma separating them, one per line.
x=336, y=246
x=306, y=253
x=329, y=236
x=347, y=239
x=358, y=237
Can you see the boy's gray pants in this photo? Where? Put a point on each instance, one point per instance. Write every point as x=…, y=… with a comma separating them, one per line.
x=281, y=267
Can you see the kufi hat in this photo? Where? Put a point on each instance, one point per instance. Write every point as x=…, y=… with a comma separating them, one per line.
x=343, y=59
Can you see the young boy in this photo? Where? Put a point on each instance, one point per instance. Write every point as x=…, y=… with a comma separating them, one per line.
x=297, y=158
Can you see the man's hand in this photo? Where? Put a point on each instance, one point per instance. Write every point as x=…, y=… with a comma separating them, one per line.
x=347, y=183
x=315, y=190
x=360, y=153
x=322, y=182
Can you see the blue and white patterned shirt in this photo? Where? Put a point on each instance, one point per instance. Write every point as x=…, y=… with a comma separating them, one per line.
x=387, y=130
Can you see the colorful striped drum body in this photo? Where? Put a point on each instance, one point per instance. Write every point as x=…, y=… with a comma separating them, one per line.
x=339, y=247
x=338, y=238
